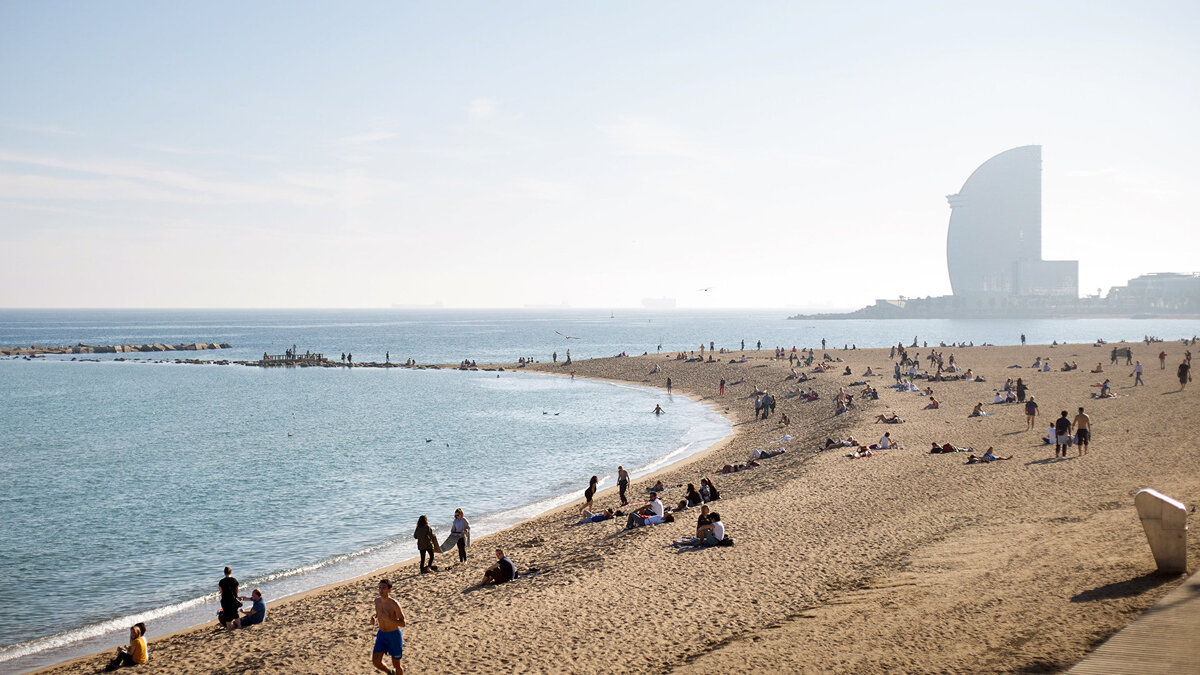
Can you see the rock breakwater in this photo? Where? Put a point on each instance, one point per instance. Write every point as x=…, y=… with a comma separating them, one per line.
x=83, y=348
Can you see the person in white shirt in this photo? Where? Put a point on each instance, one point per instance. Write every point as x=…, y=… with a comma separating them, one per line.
x=650, y=514
x=714, y=532
x=885, y=443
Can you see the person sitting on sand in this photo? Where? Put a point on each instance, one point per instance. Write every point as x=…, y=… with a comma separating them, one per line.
x=256, y=613
x=927, y=391
x=1098, y=369
x=894, y=419
x=933, y=404
x=711, y=533
x=977, y=411
x=658, y=487
x=136, y=653
x=708, y=490
x=1106, y=390
x=693, y=497
x=652, y=509
x=999, y=398
x=785, y=421
x=840, y=407
x=502, y=572
x=868, y=372
x=886, y=442
x=681, y=506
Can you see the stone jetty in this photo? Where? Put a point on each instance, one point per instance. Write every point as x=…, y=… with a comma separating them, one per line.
x=83, y=348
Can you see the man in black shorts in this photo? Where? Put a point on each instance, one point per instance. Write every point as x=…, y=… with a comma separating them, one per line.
x=230, y=603
x=1062, y=432
x=1083, y=431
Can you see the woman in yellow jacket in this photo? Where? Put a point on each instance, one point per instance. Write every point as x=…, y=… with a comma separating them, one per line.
x=136, y=653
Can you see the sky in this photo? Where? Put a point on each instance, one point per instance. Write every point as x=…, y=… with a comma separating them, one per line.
x=507, y=154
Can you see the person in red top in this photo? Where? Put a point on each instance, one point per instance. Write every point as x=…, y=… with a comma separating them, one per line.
x=1162, y=360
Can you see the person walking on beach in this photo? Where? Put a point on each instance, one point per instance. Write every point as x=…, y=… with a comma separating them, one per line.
x=1185, y=368
x=1162, y=360
x=1137, y=370
x=1022, y=339
x=230, y=604
x=1021, y=389
x=426, y=544
x=1083, y=431
x=1062, y=434
x=721, y=392
x=460, y=535
x=589, y=493
x=622, y=483
x=135, y=654
x=389, y=639
x=1031, y=410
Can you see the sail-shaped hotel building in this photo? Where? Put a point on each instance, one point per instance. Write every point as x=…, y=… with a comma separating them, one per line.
x=994, y=245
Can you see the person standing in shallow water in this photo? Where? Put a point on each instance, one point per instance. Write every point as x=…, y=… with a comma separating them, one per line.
x=668, y=385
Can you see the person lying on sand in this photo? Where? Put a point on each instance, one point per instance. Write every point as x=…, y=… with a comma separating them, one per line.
x=757, y=454
x=990, y=456
x=894, y=419
x=658, y=487
x=734, y=468
x=589, y=517
x=848, y=443
x=860, y=453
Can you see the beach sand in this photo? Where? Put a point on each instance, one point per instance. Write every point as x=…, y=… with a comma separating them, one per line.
x=901, y=562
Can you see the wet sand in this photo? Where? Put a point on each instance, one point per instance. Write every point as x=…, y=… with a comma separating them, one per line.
x=904, y=561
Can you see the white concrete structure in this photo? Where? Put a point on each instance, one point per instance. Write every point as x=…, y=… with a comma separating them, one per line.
x=1165, y=522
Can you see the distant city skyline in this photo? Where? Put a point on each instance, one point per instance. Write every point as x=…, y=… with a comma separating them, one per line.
x=494, y=155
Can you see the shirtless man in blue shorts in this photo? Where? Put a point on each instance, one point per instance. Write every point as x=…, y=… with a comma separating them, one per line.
x=389, y=640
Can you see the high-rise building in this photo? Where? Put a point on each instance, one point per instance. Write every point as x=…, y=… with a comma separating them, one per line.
x=994, y=246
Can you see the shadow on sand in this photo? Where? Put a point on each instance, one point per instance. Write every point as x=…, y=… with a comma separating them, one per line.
x=1125, y=589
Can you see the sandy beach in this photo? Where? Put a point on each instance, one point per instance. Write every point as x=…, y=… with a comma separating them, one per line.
x=899, y=562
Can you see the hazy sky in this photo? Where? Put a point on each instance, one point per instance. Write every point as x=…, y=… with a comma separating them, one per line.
x=498, y=154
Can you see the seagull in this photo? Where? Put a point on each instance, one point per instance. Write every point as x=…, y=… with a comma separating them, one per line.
x=428, y=440
x=569, y=337
x=705, y=289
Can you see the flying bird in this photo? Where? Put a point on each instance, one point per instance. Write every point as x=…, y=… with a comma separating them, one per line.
x=705, y=289
x=569, y=337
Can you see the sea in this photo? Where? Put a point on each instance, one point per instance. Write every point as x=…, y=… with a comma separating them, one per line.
x=130, y=484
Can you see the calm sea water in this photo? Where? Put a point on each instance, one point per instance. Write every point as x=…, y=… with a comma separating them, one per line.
x=129, y=485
